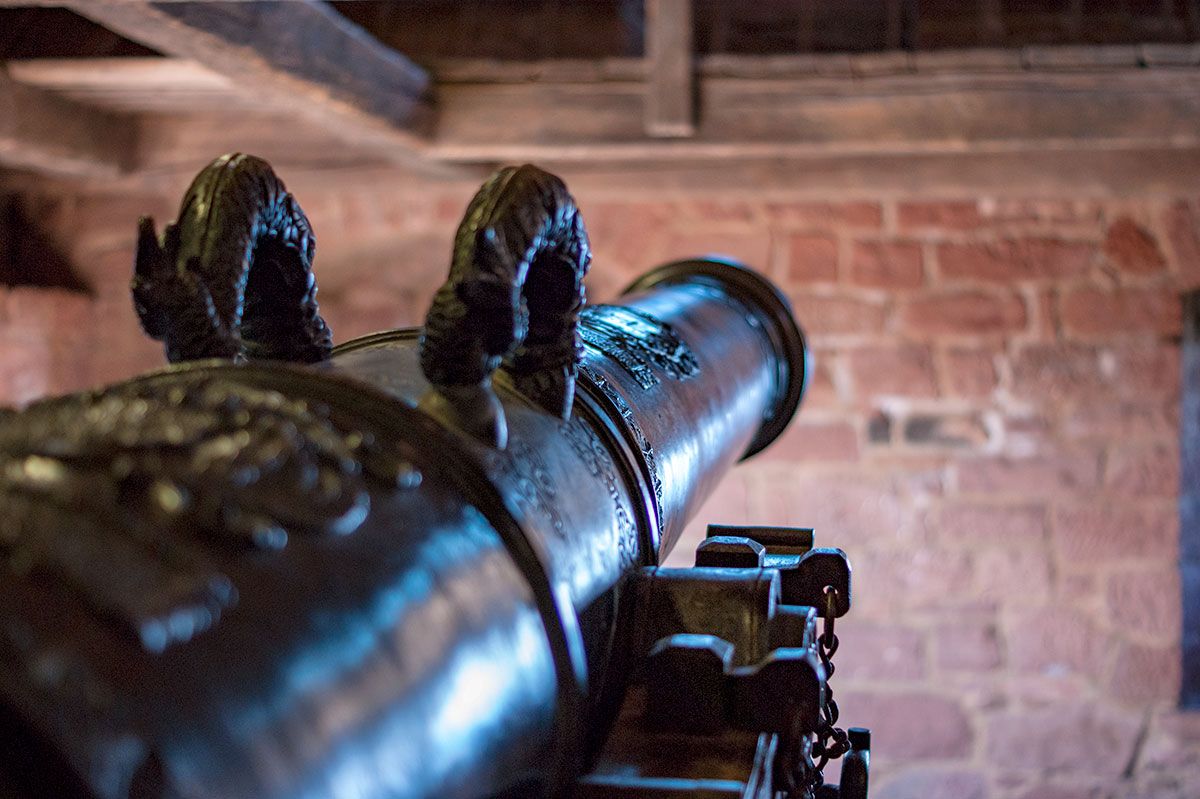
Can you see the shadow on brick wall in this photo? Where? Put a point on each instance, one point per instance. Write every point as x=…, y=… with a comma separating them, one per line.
x=29, y=256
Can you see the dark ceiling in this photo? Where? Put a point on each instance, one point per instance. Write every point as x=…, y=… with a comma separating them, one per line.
x=532, y=30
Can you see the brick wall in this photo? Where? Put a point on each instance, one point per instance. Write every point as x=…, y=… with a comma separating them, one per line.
x=992, y=433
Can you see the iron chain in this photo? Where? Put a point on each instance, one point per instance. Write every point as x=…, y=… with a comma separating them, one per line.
x=831, y=741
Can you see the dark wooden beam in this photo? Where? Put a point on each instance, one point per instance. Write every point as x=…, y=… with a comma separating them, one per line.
x=1092, y=107
x=47, y=134
x=670, y=89
x=131, y=85
x=894, y=35
x=765, y=117
x=299, y=56
x=991, y=21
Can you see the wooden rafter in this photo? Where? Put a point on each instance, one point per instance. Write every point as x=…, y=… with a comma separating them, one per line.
x=770, y=113
x=670, y=89
x=156, y=85
x=300, y=56
x=764, y=109
x=46, y=133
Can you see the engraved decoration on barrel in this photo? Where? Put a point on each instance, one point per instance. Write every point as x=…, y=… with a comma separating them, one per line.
x=424, y=564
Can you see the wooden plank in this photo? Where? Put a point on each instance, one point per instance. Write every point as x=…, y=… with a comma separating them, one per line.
x=185, y=142
x=1081, y=56
x=1081, y=173
x=991, y=21
x=299, y=56
x=50, y=135
x=670, y=93
x=894, y=34
x=806, y=117
x=164, y=85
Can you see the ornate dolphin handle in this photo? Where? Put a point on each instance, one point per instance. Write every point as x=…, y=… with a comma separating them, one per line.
x=513, y=295
x=232, y=277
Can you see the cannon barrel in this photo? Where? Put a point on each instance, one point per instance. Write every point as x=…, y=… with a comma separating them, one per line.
x=381, y=571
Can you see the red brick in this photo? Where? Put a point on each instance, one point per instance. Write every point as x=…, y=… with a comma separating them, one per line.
x=1004, y=525
x=1173, y=745
x=1105, y=415
x=1047, y=321
x=1147, y=470
x=838, y=314
x=812, y=259
x=923, y=578
x=1044, y=372
x=850, y=510
x=1013, y=576
x=879, y=651
x=1104, y=533
x=34, y=310
x=26, y=368
x=948, y=215
x=109, y=267
x=729, y=503
x=1025, y=435
x=360, y=217
x=1183, y=232
x=1058, y=792
x=964, y=313
x=113, y=217
x=886, y=265
x=364, y=309
x=1044, y=211
x=1010, y=260
x=630, y=234
x=1147, y=603
x=933, y=784
x=1039, y=476
x=421, y=212
x=1146, y=674
x=1079, y=588
x=126, y=350
x=451, y=208
x=1080, y=740
x=816, y=441
x=969, y=373
x=606, y=285
x=1055, y=642
x=1144, y=368
x=1132, y=248
x=820, y=392
x=707, y=210
x=815, y=214
x=967, y=645
x=909, y=726
x=906, y=371
x=1096, y=313
x=750, y=247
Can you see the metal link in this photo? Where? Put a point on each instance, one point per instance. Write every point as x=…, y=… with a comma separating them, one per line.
x=832, y=742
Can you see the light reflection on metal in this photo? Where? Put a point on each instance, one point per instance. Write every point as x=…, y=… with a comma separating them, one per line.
x=352, y=592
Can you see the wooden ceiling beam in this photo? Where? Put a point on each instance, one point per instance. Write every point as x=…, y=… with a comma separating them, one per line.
x=301, y=57
x=47, y=134
x=765, y=110
x=803, y=117
x=670, y=74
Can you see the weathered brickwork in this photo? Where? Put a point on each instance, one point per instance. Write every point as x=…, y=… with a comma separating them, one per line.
x=992, y=432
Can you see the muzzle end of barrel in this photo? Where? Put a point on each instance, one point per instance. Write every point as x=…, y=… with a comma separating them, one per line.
x=771, y=309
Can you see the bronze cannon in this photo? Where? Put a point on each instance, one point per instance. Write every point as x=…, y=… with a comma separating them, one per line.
x=424, y=563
